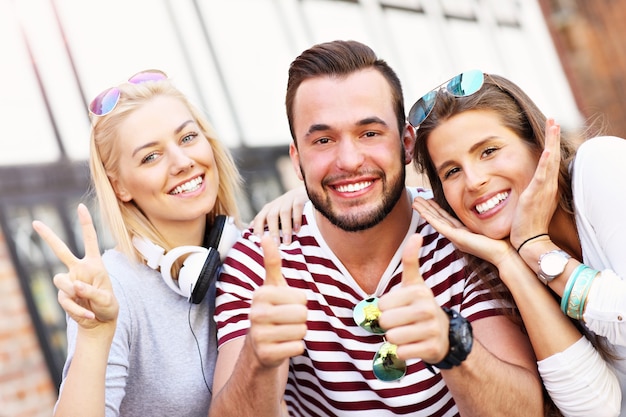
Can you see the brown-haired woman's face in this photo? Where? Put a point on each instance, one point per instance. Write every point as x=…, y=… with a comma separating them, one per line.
x=167, y=166
x=483, y=168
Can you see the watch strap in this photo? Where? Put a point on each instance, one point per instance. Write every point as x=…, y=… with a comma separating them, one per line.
x=457, y=353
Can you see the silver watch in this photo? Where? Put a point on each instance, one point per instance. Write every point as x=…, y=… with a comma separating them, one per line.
x=552, y=264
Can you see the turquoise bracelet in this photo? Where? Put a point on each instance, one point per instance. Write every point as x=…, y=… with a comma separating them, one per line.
x=568, y=287
x=578, y=295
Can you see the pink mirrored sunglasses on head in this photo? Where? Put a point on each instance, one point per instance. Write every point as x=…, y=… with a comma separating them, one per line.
x=105, y=102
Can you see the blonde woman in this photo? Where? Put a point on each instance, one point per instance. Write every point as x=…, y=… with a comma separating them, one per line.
x=141, y=339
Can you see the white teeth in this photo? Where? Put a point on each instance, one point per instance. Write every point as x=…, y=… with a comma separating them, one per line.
x=350, y=188
x=491, y=203
x=192, y=185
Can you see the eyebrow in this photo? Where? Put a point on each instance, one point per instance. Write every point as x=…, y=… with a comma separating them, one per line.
x=321, y=127
x=372, y=120
x=318, y=127
x=149, y=144
x=182, y=126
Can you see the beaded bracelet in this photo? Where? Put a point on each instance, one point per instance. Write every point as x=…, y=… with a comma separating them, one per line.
x=576, y=291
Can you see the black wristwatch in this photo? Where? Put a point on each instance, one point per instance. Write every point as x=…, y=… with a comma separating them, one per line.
x=461, y=341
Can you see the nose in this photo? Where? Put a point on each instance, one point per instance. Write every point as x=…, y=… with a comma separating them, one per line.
x=180, y=160
x=475, y=178
x=349, y=155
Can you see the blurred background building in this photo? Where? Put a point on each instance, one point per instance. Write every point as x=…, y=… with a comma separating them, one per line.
x=232, y=58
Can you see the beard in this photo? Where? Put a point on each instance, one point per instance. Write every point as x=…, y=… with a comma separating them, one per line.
x=358, y=220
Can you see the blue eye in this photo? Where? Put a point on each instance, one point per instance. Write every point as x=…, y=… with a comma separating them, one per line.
x=149, y=158
x=188, y=138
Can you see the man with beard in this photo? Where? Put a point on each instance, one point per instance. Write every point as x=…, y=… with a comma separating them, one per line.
x=368, y=311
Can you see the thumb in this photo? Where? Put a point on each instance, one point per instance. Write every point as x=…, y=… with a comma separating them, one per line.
x=410, y=261
x=273, y=262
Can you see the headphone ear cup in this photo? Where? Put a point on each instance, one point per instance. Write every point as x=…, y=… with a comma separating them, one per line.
x=222, y=235
x=189, y=271
x=189, y=275
x=215, y=233
x=207, y=276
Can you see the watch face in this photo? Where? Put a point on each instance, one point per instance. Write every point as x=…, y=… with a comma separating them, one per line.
x=553, y=263
x=465, y=335
x=463, y=338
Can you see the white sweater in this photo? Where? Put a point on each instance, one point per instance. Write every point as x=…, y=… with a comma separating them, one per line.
x=599, y=187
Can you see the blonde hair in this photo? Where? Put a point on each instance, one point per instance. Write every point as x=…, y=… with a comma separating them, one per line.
x=125, y=219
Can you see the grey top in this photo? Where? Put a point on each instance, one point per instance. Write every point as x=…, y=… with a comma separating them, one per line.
x=154, y=366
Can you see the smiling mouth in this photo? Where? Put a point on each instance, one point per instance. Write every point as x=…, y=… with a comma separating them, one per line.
x=351, y=188
x=187, y=187
x=491, y=203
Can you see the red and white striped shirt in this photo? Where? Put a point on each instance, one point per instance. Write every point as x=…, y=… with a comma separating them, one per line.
x=334, y=377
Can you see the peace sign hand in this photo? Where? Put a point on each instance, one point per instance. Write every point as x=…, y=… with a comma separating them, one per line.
x=85, y=291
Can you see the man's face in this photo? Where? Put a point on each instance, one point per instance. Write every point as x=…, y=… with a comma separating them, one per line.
x=350, y=154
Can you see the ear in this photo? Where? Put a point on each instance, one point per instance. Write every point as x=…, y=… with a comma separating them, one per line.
x=121, y=192
x=408, y=141
x=295, y=160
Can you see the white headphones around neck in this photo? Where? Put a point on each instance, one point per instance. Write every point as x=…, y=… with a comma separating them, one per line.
x=201, y=267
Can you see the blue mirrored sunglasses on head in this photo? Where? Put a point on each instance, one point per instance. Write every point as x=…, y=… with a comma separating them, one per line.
x=463, y=85
x=105, y=102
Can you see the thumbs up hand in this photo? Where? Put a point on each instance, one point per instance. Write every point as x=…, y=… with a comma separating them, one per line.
x=278, y=313
x=410, y=314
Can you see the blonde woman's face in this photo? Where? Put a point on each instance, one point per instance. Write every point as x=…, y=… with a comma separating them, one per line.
x=484, y=167
x=167, y=166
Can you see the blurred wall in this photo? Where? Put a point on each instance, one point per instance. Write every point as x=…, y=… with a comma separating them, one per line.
x=590, y=37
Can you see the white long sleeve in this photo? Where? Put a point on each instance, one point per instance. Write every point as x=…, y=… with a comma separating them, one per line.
x=605, y=312
x=580, y=382
x=599, y=188
x=598, y=184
